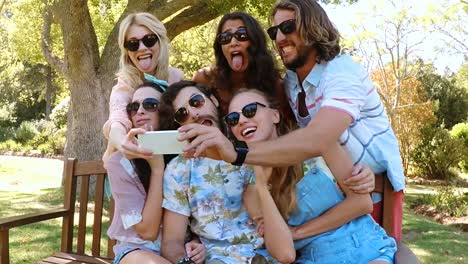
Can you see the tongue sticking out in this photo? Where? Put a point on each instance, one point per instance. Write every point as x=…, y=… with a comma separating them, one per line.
x=145, y=63
x=237, y=61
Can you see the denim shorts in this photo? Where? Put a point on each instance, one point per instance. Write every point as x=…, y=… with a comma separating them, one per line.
x=123, y=253
x=361, y=246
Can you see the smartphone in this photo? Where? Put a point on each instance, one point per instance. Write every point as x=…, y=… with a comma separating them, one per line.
x=162, y=142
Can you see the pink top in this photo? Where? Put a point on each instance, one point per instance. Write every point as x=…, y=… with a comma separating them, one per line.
x=129, y=196
x=121, y=95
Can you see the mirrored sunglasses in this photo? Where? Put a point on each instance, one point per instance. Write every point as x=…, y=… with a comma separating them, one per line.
x=248, y=111
x=149, y=104
x=226, y=37
x=286, y=27
x=148, y=40
x=195, y=101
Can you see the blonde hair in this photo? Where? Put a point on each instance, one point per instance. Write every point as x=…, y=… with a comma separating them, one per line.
x=283, y=179
x=128, y=71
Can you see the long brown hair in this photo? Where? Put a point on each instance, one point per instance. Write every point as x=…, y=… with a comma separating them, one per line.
x=283, y=179
x=315, y=28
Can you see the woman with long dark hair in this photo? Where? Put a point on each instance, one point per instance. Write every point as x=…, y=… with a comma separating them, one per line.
x=243, y=60
x=137, y=189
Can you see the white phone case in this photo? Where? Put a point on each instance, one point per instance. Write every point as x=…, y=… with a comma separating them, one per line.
x=162, y=142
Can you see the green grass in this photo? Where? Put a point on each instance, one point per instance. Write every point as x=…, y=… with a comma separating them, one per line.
x=430, y=241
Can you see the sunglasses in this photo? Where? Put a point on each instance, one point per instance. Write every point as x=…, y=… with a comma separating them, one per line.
x=248, y=111
x=182, y=114
x=226, y=37
x=286, y=27
x=149, y=104
x=148, y=40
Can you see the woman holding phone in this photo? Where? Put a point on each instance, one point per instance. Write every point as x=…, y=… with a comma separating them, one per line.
x=137, y=190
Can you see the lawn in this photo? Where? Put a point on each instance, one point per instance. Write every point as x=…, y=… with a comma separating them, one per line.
x=28, y=185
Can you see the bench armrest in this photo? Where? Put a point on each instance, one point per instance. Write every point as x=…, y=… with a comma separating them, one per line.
x=14, y=221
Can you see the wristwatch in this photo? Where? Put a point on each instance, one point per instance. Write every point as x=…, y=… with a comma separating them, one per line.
x=242, y=149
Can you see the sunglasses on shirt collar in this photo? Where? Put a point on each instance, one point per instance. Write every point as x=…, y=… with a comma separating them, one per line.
x=182, y=114
x=134, y=44
x=149, y=104
x=226, y=37
x=249, y=111
x=286, y=27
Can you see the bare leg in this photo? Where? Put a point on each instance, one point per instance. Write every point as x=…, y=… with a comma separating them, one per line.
x=143, y=257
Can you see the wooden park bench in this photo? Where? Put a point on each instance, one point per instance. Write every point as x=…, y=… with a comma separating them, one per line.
x=69, y=254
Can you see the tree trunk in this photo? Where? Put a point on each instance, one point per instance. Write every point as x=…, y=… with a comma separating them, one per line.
x=82, y=56
x=49, y=91
x=91, y=77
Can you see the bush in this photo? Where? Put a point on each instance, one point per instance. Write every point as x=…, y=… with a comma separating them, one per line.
x=437, y=153
x=59, y=114
x=447, y=200
x=25, y=132
x=6, y=133
x=460, y=131
x=10, y=145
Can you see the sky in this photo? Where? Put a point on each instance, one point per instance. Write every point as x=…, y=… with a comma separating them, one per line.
x=344, y=15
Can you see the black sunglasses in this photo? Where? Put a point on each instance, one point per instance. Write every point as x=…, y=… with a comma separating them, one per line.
x=149, y=104
x=195, y=101
x=148, y=40
x=287, y=27
x=226, y=37
x=248, y=111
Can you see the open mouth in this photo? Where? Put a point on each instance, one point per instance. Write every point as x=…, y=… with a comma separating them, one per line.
x=287, y=49
x=248, y=132
x=145, y=60
x=237, y=60
x=206, y=122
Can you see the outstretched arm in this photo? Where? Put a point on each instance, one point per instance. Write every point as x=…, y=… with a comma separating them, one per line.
x=302, y=144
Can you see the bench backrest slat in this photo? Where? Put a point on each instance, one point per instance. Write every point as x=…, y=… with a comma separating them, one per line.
x=98, y=207
x=69, y=189
x=81, y=236
x=84, y=171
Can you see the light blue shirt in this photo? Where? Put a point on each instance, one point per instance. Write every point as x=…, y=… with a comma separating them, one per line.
x=343, y=84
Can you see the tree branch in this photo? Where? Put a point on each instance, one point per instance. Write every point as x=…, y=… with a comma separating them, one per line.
x=51, y=58
x=197, y=14
x=1, y=6
x=163, y=11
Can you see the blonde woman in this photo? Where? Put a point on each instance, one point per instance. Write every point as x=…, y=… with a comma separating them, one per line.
x=144, y=48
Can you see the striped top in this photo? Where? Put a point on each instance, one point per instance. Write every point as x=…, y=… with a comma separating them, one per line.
x=345, y=85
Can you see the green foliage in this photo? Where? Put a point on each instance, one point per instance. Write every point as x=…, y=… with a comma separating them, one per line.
x=10, y=145
x=192, y=50
x=437, y=153
x=446, y=200
x=460, y=131
x=59, y=114
x=6, y=133
x=25, y=132
x=452, y=99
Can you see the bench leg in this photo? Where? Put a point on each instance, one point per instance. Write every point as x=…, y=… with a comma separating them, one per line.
x=4, y=250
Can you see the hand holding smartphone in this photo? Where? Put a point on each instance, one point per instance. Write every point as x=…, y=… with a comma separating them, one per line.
x=162, y=142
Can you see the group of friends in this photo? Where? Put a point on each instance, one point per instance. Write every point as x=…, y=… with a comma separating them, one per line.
x=278, y=170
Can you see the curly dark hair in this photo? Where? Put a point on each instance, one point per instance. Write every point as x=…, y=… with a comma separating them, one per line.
x=315, y=28
x=261, y=73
